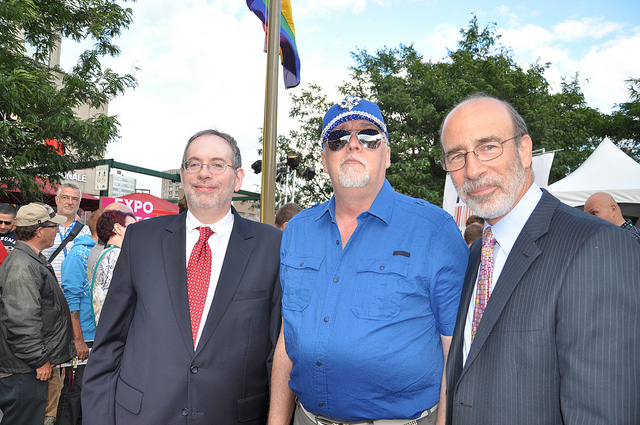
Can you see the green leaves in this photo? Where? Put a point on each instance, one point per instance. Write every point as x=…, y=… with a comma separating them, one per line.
x=38, y=102
x=415, y=95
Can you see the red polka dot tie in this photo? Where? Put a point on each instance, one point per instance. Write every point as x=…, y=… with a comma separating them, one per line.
x=485, y=276
x=198, y=276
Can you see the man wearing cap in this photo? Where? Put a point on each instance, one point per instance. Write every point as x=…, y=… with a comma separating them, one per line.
x=35, y=325
x=371, y=282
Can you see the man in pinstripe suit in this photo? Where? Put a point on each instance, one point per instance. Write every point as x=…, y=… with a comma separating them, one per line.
x=547, y=333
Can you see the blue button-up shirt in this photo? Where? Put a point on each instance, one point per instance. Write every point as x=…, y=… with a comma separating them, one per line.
x=362, y=324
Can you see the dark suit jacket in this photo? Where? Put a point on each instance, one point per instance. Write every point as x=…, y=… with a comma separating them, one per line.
x=142, y=368
x=557, y=343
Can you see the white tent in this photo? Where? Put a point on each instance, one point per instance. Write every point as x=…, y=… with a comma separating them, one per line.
x=607, y=169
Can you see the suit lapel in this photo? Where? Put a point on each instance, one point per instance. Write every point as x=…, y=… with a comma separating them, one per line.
x=235, y=262
x=467, y=296
x=175, y=267
x=522, y=255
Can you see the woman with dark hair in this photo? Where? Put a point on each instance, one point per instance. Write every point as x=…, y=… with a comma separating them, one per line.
x=111, y=228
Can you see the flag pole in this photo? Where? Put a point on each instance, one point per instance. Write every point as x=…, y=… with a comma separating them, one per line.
x=270, y=128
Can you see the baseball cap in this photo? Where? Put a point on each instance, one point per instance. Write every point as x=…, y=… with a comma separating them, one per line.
x=36, y=213
x=349, y=109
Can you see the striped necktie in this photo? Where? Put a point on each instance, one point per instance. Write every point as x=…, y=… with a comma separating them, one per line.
x=485, y=276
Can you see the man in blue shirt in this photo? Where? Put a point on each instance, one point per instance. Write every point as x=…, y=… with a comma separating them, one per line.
x=371, y=284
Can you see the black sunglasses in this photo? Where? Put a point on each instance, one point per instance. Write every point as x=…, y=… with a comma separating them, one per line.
x=50, y=225
x=6, y=223
x=368, y=137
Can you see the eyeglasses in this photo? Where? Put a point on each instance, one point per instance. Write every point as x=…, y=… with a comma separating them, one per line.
x=215, y=167
x=70, y=198
x=50, y=225
x=368, y=137
x=486, y=151
x=6, y=223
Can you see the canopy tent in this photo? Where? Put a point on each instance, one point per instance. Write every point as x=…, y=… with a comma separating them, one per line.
x=14, y=196
x=607, y=169
x=144, y=205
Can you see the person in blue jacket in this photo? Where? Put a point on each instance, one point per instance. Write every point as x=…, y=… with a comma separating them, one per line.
x=77, y=291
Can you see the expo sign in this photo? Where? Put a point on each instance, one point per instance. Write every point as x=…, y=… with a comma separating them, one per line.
x=140, y=209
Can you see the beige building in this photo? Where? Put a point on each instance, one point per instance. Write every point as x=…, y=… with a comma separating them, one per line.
x=171, y=191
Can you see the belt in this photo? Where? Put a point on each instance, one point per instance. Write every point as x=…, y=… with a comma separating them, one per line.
x=323, y=420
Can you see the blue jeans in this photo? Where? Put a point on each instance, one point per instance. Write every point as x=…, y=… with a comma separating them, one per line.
x=23, y=399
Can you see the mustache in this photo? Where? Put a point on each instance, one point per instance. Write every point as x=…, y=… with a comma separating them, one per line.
x=470, y=185
x=207, y=183
x=353, y=157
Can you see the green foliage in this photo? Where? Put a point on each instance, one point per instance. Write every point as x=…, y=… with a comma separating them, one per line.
x=308, y=108
x=623, y=126
x=415, y=95
x=37, y=102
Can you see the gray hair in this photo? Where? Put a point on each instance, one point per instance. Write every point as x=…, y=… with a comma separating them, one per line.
x=236, y=159
x=70, y=185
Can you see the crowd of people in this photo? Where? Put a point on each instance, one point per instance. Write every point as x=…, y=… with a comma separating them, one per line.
x=370, y=308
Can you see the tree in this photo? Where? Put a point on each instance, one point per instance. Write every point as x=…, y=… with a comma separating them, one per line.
x=623, y=126
x=415, y=95
x=308, y=108
x=37, y=102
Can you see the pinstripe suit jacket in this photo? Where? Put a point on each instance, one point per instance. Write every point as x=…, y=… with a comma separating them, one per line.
x=557, y=341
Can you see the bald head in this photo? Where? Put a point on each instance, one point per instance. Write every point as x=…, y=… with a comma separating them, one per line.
x=476, y=129
x=602, y=205
x=118, y=207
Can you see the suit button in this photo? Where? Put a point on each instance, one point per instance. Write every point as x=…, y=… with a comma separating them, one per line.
x=185, y=412
x=194, y=369
x=320, y=404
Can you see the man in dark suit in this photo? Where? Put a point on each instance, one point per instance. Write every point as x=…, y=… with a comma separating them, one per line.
x=549, y=315
x=192, y=315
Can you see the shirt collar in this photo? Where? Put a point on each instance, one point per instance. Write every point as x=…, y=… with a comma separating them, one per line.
x=220, y=227
x=507, y=230
x=381, y=207
x=627, y=224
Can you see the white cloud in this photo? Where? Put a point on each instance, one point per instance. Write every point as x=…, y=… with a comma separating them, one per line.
x=202, y=65
x=525, y=38
x=572, y=30
x=327, y=8
x=602, y=69
x=512, y=18
x=435, y=43
x=607, y=66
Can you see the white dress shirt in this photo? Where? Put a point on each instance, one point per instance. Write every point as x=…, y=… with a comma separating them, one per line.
x=505, y=231
x=218, y=243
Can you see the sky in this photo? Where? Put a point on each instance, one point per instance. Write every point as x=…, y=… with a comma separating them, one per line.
x=200, y=63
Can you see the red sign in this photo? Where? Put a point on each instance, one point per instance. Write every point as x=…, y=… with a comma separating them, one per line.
x=142, y=208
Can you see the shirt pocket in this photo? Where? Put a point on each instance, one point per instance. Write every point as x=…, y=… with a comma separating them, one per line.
x=379, y=287
x=299, y=274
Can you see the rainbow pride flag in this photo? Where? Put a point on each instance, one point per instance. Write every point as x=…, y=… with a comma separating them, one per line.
x=288, y=48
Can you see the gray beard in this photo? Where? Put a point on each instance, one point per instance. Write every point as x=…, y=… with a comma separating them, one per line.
x=494, y=205
x=352, y=178
x=202, y=202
